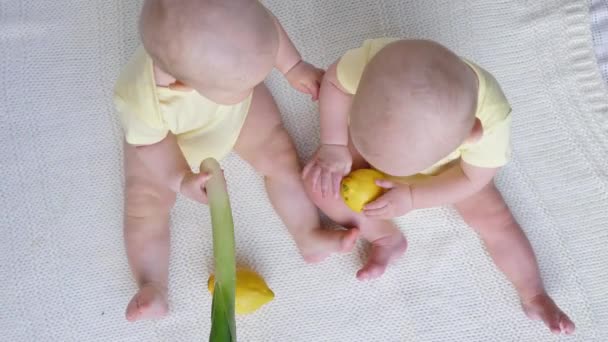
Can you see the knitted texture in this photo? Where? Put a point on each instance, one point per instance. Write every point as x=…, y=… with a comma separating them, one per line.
x=64, y=273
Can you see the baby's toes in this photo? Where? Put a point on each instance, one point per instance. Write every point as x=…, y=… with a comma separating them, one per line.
x=349, y=240
x=566, y=325
x=371, y=271
x=148, y=303
x=133, y=311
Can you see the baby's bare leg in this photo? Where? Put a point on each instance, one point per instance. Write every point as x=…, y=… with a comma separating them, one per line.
x=265, y=144
x=388, y=243
x=488, y=214
x=146, y=233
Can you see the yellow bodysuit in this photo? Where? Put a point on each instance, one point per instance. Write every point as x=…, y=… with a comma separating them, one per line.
x=493, y=110
x=148, y=113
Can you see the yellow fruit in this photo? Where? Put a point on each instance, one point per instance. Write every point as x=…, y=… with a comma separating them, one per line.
x=359, y=188
x=251, y=291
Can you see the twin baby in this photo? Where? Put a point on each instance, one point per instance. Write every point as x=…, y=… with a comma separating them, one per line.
x=436, y=123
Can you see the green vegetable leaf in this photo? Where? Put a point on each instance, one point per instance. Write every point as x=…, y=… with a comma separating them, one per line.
x=223, y=327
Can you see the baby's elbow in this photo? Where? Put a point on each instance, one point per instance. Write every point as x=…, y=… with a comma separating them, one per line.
x=479, y=177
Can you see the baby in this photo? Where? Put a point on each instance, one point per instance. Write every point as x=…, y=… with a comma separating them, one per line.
x=438, y=126
x=193, y=91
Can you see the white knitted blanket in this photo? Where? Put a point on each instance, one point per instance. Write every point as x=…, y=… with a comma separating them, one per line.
x=63, y=270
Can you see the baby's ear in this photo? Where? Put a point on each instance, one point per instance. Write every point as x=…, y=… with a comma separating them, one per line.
x=476, y=132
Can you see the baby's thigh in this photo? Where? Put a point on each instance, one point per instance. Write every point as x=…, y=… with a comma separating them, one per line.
x=485, y=209
x=263, y=141
x=144, y=193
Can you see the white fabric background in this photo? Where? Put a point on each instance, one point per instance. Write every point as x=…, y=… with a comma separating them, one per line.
x=63, y=271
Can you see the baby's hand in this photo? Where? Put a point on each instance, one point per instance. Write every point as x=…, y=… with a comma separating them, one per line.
x=328, y=167
x=193, y=186
x=397, y=201
x=305, y=78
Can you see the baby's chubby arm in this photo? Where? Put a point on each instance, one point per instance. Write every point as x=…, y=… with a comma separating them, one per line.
x=334, y=104
x=455, y=184
x=302, y=76
x=166, y=160
x=333, y=160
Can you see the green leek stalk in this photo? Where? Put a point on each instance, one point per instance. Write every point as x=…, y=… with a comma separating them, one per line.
x=223, y=327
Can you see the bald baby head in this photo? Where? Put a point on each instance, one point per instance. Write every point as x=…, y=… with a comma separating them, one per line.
x=214, y=46
x=415, y=104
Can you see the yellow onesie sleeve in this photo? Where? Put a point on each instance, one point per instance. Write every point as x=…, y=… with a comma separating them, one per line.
x=136, y=102
x=139, y=128
x=493, y=150
x=351, y=66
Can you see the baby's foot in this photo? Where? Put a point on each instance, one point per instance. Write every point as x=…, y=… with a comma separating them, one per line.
x=384, y=251
x=321, y=243
x=542, y=307
x=149, y=302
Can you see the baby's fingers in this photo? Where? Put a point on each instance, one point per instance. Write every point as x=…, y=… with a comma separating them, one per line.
x=377, y=204
x=203, y=178
x=313, y=89
x=380, y=213
x=302, y=88
x=386, y=184
x=326, y=183
x=203, y=197
x=197, y=194
x=337, y=180
x=316, y=175
x=307, y=168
